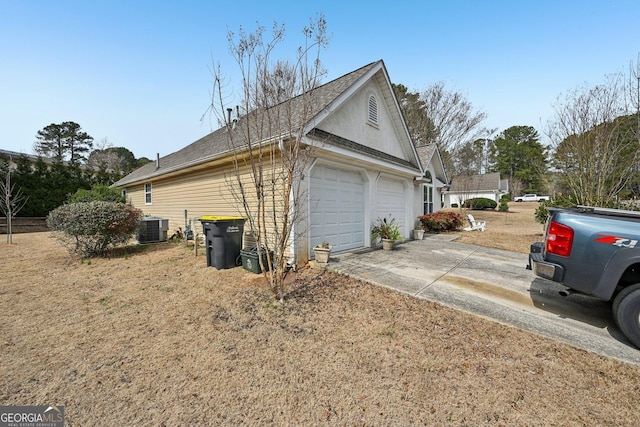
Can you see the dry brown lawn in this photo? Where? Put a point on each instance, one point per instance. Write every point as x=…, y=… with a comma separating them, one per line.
x=514, y=230
x=157, y=338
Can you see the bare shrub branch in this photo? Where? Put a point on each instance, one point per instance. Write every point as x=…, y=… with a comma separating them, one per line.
x=265, y=133
x=596, y=151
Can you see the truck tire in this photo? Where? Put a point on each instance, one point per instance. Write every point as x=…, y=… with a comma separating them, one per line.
x=626, y=312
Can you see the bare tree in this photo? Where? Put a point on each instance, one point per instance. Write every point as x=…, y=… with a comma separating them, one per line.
x=12, y=200
x=453, y=118
x=470, y=158
x=468, y=185
x=100, y=157
x=634, y=90
x=266, y=137
x=117, y=161
x=437, y=116
x=595, y=148
x=516, y=187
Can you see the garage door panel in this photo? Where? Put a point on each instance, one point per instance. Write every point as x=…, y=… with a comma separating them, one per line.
x=390, y=200
x=337, y=205
x=330, y=218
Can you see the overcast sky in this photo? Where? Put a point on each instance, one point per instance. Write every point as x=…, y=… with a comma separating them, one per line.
x=137, y=72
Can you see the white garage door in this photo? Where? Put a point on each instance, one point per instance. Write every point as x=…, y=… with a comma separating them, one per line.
x=390, y=201
x=337, y=208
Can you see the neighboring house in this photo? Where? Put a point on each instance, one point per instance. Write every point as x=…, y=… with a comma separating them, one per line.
x=12, y=156
x=465, y=187
x=365, y=167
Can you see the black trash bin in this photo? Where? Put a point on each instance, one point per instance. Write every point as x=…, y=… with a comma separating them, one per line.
x=250, y=259
x=223, y=240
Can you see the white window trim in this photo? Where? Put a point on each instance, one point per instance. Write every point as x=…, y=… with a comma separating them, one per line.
x=430, y=202
x=150, y=192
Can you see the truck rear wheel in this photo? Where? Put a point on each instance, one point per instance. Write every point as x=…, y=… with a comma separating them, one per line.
x=626, y=312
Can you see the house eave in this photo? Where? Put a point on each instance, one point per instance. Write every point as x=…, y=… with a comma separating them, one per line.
x=205, y=161
x=331, y=142
x=167, y=172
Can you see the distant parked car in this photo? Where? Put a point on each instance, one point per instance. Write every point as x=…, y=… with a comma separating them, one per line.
x=531, y=198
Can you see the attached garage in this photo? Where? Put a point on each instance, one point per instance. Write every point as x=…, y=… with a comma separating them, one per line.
x=366, y=167
x=337, y=204
x=391, y=201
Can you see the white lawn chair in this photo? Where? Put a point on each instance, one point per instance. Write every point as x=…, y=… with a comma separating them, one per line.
x=475, y=224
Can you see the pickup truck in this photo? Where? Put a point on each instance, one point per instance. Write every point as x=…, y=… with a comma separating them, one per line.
x=531, y=198
x=594, y=251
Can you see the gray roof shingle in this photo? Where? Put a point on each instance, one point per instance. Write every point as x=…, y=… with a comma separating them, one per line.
x=217, y=143
x=486, y=182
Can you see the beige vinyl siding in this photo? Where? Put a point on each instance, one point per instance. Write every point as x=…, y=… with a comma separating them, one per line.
x=209, y=191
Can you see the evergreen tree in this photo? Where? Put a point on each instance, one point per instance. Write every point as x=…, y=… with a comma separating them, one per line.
x=65, y=141
x=31, y=179
x=518, y=155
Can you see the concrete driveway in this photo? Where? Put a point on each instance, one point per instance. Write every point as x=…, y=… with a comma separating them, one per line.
x=491, y=283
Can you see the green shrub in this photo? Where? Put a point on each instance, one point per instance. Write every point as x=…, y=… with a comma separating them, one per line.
x=97, y=192
x=504, y=203
x=441, y=221
x=385, y=228
x=542, y=213
x=480, y=203
x=92, y=228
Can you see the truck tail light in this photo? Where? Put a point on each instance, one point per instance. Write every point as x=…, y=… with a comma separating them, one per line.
x=559, y=239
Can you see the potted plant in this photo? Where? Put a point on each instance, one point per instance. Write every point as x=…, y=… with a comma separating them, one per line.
x=322, y=252
x=418, y=231
x=387, y=230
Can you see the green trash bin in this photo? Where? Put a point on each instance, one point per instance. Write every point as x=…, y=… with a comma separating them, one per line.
x=223, y=237
x=250, y=259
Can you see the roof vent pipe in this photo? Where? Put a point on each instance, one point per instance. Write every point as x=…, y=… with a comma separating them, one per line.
x=229, y=110
x=157, y=161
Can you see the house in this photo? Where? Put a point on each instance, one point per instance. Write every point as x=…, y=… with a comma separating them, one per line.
x=364, y=166
x=11, y=157
x=465, y=187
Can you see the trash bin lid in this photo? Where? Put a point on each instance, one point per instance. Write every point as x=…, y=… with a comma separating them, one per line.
x=220, y=218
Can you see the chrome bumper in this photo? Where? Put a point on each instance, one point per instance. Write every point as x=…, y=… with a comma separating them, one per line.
x=542, y=268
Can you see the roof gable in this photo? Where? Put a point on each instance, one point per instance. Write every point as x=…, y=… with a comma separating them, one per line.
x=429, y=154
x=347, y=116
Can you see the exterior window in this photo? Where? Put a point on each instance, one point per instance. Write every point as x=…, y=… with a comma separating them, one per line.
x=427, y=199
x=372, y=110
x=147, y=194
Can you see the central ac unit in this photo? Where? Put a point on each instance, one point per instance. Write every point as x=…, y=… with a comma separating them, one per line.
x=152, y=229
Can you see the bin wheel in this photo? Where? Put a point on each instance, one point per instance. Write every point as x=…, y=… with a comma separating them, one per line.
x=239, y=261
